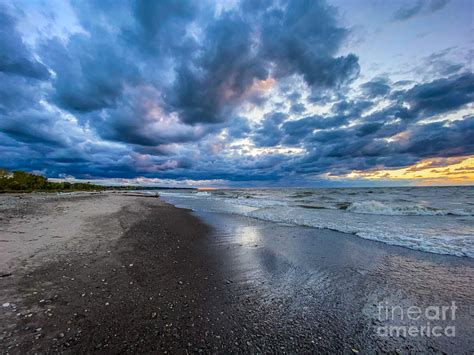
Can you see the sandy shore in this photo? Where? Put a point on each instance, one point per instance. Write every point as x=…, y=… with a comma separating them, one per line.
x=119, y=273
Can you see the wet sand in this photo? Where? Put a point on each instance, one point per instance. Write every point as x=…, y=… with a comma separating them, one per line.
x=120, y=273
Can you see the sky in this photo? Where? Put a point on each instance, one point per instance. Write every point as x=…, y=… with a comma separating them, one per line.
x=239, y=93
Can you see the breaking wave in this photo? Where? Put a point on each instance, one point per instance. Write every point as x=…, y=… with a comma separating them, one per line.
x=436, y=220
x=376, y=207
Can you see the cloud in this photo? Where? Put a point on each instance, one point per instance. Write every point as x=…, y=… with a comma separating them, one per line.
x=269, y=134
x=248, y=45
x=298, y=108
x=406, y=12
x=440, y=95
x=89, y=75
x=32, y=127
x=376, y=87
x=295, y=39
x=256, y=91
x=415, y=8
x=203, y=65
x=15, y=58
x=388, y=137
x=18, y=93
x=139, y=118
x=207, y=87
x=442, y=139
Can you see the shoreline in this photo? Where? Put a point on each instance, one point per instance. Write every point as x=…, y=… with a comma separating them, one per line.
x=129, y=273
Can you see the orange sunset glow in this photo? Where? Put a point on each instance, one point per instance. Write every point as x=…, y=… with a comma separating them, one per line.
x=443, y=171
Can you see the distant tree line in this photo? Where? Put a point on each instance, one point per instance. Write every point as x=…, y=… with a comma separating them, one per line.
x=25, y=182
x=20, y=181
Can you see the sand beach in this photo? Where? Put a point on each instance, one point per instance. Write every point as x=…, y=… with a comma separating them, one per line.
x=122, y=272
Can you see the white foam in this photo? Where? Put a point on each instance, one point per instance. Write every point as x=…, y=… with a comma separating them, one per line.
x=376, y=207
x=400, y=231
x=432, y=220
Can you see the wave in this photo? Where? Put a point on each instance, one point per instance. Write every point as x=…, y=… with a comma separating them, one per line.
x=203, y=193
x=436, y=224
x=379, y=208
x=313, y=207
x=398, y=206
x=302, y=194
x=409, y=234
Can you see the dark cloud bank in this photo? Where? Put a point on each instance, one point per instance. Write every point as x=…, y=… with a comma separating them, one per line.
x=147, y=87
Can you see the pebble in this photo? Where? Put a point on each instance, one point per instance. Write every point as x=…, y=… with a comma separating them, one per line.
x=6, y=304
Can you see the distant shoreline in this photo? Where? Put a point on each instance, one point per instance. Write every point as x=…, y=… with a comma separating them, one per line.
x=23, y=182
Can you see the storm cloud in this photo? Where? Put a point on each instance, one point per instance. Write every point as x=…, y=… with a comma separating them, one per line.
x=251, y=91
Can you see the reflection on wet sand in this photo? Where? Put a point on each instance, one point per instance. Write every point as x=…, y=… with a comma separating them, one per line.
x=325, y=276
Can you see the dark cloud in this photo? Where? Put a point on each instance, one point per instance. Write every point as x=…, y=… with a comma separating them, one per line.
x=15, y=58
x=32, y=127
x=360, y=148
x=240, y=47
x=294, y=96
x=17, y=93
x=442, y=139
x=239, y=127
x=162, y=21
x=351, y=108
x=440, y=95
x=207, y=87
x=139, y=119
x=296, y=39
x=298, y=108
x=170, y=89
x=376, y=87
x=269, y=134
x=202, y=80
x=297, y=130
x=389, y=137
x=90, y=75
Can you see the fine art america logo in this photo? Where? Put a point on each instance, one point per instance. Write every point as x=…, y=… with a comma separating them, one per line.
x=414, y=321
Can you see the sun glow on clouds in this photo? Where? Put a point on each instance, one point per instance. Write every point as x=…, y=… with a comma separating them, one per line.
x=233, y=92
x=267, y=88
x=248, y=147
x=446, y=171
x=262, y=86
